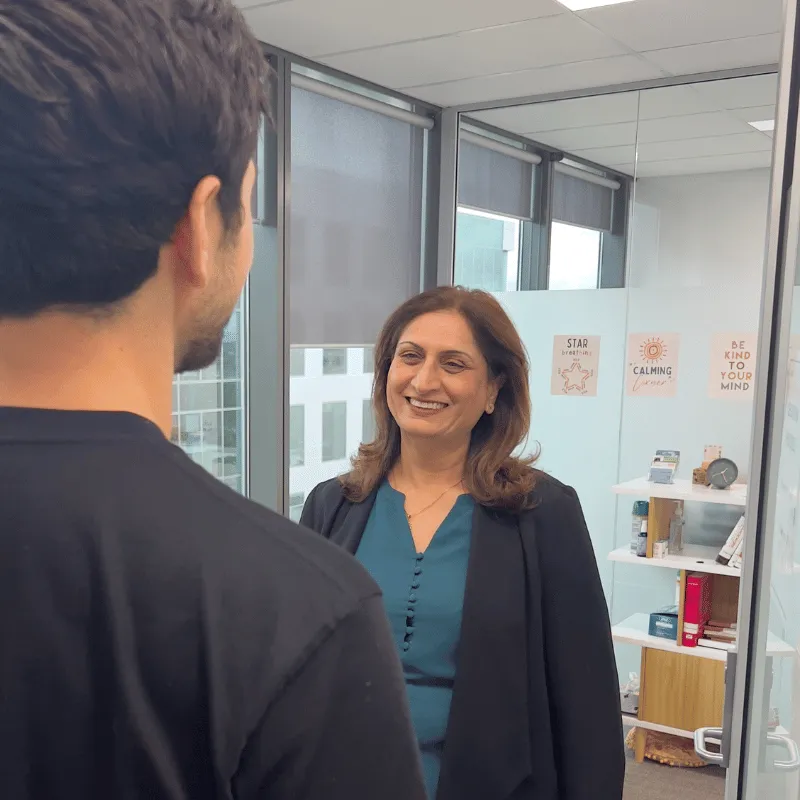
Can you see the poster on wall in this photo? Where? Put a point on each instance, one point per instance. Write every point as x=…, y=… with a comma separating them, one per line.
x=576, y=362
x=651, y=369
x=733, y=366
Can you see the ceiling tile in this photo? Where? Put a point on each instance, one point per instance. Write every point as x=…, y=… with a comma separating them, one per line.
x=315, y=28
x=755, y=113
x=671, y=101
x=506, y=48
x=660, y=24
x=609, y=156
x=574, y=139
x=696, y=58
x=566, y=77
x=697, y=166
x=693, y=126
x=710, y=146
x=562, y=114
x=759, y=90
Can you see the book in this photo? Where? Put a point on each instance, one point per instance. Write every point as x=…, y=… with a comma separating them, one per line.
x=734, y=540
x=715, y=645
x=696, y=608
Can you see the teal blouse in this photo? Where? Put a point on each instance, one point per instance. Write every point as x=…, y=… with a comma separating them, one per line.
x=424, y=595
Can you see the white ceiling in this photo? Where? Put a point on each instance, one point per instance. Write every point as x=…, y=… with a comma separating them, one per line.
x=453, y=52
x=681, y=130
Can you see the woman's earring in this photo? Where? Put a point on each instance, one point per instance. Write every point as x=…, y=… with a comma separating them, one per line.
x=490, y=408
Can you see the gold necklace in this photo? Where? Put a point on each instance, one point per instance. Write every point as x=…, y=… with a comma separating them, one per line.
x=431, y=505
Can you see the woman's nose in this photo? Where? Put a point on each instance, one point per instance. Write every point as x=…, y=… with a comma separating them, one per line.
x=426, y=378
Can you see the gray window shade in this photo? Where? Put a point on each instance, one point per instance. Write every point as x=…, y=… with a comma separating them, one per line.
x=494, y=182
x=579, y=202
x=356, y=218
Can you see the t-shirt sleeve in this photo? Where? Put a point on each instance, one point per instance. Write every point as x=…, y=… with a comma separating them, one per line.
x=340, y=729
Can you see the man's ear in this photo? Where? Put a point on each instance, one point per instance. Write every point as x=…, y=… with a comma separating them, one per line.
x=196, y=231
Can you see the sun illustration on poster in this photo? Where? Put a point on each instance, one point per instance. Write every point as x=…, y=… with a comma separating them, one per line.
x=653, y=350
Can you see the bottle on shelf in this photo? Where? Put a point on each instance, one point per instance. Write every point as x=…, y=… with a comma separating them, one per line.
x=641, y=508
x=676, y=530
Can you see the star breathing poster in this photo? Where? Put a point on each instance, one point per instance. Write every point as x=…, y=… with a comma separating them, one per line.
x=576, y=361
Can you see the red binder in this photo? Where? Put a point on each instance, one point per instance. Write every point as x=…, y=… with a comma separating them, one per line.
x=697, y=608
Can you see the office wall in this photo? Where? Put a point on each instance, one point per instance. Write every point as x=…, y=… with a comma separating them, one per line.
x=699, y=230
x=578, y=437
x=695, y=270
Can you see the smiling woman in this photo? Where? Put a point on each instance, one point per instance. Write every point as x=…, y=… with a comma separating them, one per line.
x=485, y=564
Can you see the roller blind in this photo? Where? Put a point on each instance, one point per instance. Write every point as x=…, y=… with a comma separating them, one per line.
x=580, y=202
x=494, y=182
x=355, y=219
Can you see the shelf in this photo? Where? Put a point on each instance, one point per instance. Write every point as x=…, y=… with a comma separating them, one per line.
x=684, y=490
x=632, y=721
x=634, y=629
x=694, y=558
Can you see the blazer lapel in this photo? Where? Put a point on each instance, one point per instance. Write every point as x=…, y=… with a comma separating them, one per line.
x=487, y=750
x=348, y=523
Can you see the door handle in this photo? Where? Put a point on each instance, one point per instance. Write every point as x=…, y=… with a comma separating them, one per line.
x=788, y=744
x=701, y=748
x=723, y=734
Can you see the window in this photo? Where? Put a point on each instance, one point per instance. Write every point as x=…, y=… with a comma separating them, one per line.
x=574, y=257
x=334, y=431
x=334, y=361
x=487, y=251
x=297, y=361
x=296, y=502
x=369, y=360
x=368, y=421
x=358, y=190
x=208, y=418
x=297, y=436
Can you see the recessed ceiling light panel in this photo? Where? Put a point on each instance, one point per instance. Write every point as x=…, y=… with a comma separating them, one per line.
x=582, y=5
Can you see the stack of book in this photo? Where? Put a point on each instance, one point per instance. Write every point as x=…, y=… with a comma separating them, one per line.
x=719, y=635
x=731, y=553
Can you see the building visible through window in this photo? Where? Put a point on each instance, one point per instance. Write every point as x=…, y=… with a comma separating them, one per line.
x=296, y=502
x=369, y=360
x=297, y=435
x=368, y=421
x=297, y=361
x=487, y=251
x=334, y=431
x=334, y=361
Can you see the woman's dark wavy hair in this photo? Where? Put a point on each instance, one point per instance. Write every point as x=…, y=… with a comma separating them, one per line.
x=493, y=476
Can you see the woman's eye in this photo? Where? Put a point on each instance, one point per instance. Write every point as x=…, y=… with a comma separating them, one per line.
x=454, y=365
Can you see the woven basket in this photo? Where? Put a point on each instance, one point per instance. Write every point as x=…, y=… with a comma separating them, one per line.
x=664, y=748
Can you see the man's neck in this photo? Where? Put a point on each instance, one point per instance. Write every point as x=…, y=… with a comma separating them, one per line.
x=71, y=363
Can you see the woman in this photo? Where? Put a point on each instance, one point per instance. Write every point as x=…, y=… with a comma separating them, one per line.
x=486, y=566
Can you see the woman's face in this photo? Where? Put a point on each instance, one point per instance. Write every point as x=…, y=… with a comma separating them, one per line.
x=438, y=383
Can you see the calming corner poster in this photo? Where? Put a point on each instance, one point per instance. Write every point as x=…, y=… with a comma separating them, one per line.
x=651, y=368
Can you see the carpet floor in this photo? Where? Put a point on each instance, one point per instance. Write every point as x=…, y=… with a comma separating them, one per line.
x=651, y=781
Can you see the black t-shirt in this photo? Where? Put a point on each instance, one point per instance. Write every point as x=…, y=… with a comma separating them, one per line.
x=162, y=638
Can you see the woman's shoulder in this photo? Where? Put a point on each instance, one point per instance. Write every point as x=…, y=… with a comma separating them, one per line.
x=548, y=489
x=325, y=494
x=551, y=504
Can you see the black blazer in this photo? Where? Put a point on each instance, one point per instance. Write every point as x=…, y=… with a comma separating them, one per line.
x=535, y=712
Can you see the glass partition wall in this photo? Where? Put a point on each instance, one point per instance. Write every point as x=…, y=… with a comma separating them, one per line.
x=651, y=208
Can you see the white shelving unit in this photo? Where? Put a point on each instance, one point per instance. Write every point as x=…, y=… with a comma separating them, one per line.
x=634, y=629
x=684, y=490
x=694, y=558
